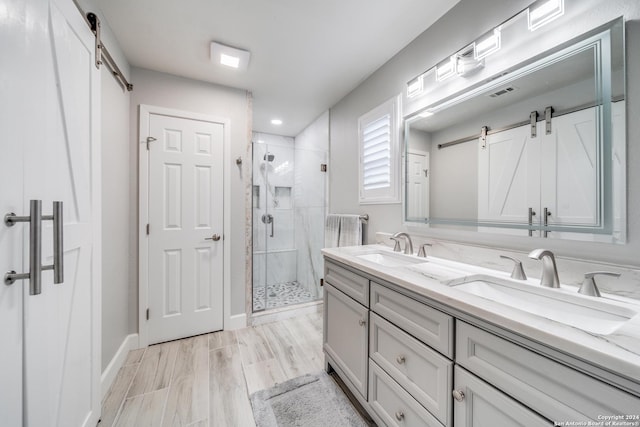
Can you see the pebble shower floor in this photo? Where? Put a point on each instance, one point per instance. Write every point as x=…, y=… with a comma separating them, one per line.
x=280, y=295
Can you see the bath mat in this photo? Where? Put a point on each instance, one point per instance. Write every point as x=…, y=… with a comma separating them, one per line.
x=310, y=401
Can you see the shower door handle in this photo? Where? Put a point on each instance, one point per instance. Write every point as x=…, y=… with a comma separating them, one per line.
x=268, y=219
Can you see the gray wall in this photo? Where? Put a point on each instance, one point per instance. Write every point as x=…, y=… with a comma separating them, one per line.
x=116, y=257
x=168, y=91
x=462, y=24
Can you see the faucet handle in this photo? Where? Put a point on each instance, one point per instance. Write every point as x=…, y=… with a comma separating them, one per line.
x=589, y=286
x=518, y=271
x=396, y=247
x=422, y=252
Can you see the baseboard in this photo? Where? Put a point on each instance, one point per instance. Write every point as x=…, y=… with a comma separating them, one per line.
x=237, y=321
x=129, y=343
x=286, y=312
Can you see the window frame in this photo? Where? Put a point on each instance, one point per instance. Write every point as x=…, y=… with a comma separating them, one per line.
x=392, y=193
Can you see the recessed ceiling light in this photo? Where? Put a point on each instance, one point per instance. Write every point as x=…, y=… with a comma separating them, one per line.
x=276, y=122
x=229, y=56
x=229, y=61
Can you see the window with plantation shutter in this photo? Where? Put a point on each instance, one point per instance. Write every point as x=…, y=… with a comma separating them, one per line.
x=379, y=154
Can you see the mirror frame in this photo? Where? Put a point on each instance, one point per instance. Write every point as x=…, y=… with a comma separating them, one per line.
x=597, y=37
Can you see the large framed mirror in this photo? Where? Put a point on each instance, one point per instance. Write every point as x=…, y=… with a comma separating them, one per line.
x=535, y=150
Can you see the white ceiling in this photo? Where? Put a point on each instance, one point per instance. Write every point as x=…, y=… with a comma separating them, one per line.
x=305, y=55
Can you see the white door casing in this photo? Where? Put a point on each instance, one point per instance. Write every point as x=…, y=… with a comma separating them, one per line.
x=57, y=107
x=418, y=190
x=183, y=277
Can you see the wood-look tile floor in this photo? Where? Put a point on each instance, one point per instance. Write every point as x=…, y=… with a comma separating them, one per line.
x=206, y=380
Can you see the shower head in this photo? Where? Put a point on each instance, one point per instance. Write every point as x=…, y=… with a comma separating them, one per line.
x=269, y=157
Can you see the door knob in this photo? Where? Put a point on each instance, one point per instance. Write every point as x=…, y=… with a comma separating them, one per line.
x=458, y=395
x=215, y=237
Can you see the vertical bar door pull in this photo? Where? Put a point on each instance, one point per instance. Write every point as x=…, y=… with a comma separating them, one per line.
x=35, y=219
x=58, y=243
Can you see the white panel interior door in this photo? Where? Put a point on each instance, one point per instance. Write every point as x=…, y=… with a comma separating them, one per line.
x=570, y=178
x=186, y=224
x=508, y=176
x=56, y=105
x=418, y=184
x=13, y=122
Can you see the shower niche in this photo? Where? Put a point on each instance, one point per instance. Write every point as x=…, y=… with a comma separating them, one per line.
x=288, y=196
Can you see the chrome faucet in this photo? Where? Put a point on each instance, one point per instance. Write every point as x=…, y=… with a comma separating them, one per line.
x=408, y=245
x=549, y=270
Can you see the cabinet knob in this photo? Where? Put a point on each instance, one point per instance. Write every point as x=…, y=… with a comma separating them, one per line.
x=362, y=322
x=399, y=415
x=458, y=395
x=400, y=359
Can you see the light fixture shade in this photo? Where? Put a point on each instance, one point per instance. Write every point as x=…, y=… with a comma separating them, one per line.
x=415, y=86
x=488, y=44
x=446, y=68
x=544, y=11
x=229, y=56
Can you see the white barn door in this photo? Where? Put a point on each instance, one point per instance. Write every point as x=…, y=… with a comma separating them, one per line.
x=55, y=109
x=185, y=241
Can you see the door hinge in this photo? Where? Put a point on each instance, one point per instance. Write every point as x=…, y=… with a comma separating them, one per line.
x=321, y=282
x=147, y=314
x=150, y=139
x=548, y=112
x=483, y=136
x=147, y=229
x=323, y=167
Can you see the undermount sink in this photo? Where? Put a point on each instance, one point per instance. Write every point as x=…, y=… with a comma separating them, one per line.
x=390, y=259
x=590, y=314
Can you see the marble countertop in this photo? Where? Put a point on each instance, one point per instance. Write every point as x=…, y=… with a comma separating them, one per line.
x=617, y=352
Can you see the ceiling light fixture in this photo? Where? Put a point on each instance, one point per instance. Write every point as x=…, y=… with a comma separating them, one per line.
x=229, y=56
x=446, y=69
x=488, y=44
x=276, y=122
x=544, y=11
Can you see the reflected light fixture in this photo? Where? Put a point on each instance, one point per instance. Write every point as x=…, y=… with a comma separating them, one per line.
x=426, y=114
x=229, y=56
x=414, y=87
x=488, y=44
x=544, y=11
x=446, y=68
x=276, y=122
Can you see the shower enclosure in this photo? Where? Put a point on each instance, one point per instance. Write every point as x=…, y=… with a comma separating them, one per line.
x=289, y=202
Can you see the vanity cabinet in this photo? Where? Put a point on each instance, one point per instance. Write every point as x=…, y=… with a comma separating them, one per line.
x=552, y=389
x=410, y=363
x=346, y=333
x=479, y=404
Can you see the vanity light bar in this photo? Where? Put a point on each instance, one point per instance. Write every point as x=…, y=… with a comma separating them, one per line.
x=414, y=87
x=544, y=11
x=488, y=44
x=446, y=68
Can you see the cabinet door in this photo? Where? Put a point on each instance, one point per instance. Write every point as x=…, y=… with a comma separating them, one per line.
x=346, y=338
x=482, y=405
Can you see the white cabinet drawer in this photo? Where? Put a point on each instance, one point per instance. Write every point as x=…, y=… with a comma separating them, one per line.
x=346, y=338
x=393, y=405
x=357, y=287
x=483, y=405
x=424, y=373
x=429, y=325
x=550, y=388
